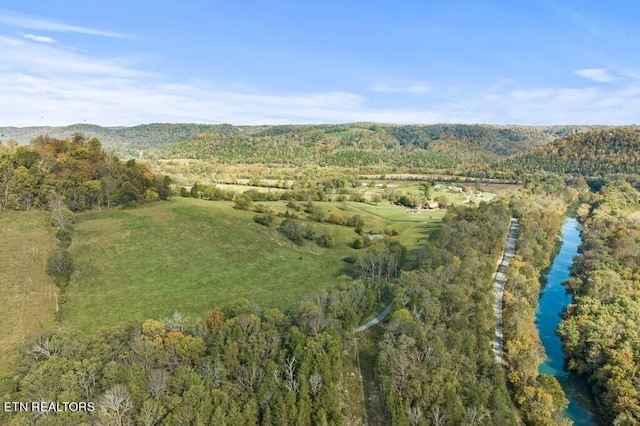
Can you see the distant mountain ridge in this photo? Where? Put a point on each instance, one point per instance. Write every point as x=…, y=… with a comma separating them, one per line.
x=444, y=145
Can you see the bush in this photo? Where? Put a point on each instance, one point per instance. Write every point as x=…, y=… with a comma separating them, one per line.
x=60, y=266
x=64, y=236
x=357, y=243
x=291, y=229
x=326, y=241
x=264, y=219
x=243, y=202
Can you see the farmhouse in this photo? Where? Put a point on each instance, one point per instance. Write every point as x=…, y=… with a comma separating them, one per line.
x=431, y=205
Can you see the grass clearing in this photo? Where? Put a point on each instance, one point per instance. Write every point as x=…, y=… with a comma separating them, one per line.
x=189, y=256
x=28, y=293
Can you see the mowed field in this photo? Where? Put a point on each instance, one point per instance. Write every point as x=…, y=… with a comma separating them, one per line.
x=190, y=255
x=28, y=294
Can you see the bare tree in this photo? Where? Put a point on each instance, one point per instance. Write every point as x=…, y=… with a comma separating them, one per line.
x=437, y=417
x=87, y=380
x=157, y=382
x=474, y=415
x=315, y=381
x=317, y=323
x=213, y=370
x=115, y=405
x=175, y=323
x=289, y=370
x=414, y=414
x=250, y=376
x=44, y=347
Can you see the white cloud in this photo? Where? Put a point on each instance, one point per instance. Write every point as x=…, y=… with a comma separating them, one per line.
x=599, y=75
x=44, y=24
x=38, y=38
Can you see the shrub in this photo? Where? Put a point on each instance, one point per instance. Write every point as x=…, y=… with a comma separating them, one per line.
x=60, y=266
x=264, y=219
x=326, y=240
x=291, y=229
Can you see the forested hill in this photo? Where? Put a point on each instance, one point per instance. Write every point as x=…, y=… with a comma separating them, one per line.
x=594, y=153
x=125, y=141
x=365, y=144
x=444, y=143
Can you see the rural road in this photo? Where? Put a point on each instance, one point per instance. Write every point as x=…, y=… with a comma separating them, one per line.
x=499, y=280
x=376, y=320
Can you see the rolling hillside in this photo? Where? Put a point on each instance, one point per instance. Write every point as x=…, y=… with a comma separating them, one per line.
x=362, y=143
x=441, y=146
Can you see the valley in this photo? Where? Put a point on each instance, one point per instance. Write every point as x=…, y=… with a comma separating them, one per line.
x=233, y=273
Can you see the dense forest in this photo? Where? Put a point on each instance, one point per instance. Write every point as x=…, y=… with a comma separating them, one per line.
x=600, y=328
x=592, y=154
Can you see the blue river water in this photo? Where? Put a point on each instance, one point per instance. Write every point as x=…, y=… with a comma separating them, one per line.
x=552, y=303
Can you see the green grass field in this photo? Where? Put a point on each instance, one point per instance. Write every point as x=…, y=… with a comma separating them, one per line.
x=28, y=294
x=190, y=256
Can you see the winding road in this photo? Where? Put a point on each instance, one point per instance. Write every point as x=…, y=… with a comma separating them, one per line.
x=499, y=281
x=376, y=320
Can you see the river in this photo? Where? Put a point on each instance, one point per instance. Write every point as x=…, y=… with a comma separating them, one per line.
x=552, y=303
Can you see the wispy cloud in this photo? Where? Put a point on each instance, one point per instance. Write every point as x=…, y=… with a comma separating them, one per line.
x=45, y=24
x=38, y=38
x=599, y=75
x=49, y=59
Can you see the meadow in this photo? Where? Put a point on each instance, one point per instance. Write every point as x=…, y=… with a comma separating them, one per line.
x=191, y=255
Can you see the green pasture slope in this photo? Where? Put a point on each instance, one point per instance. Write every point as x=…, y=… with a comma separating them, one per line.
x=190, y=255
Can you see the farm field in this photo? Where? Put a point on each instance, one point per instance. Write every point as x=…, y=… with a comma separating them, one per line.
x=28, y=294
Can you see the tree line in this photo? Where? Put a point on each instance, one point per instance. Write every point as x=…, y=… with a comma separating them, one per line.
x=77, y=171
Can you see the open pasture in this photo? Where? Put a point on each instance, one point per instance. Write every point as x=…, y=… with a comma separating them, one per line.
x=189, y=256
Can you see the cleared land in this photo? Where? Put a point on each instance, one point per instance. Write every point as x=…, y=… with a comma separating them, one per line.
x=28, y=294
x=191, y=255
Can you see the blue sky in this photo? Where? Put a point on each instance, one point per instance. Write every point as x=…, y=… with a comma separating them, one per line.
x=276, y=62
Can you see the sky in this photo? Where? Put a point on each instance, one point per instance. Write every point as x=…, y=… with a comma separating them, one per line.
x=122, y=63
